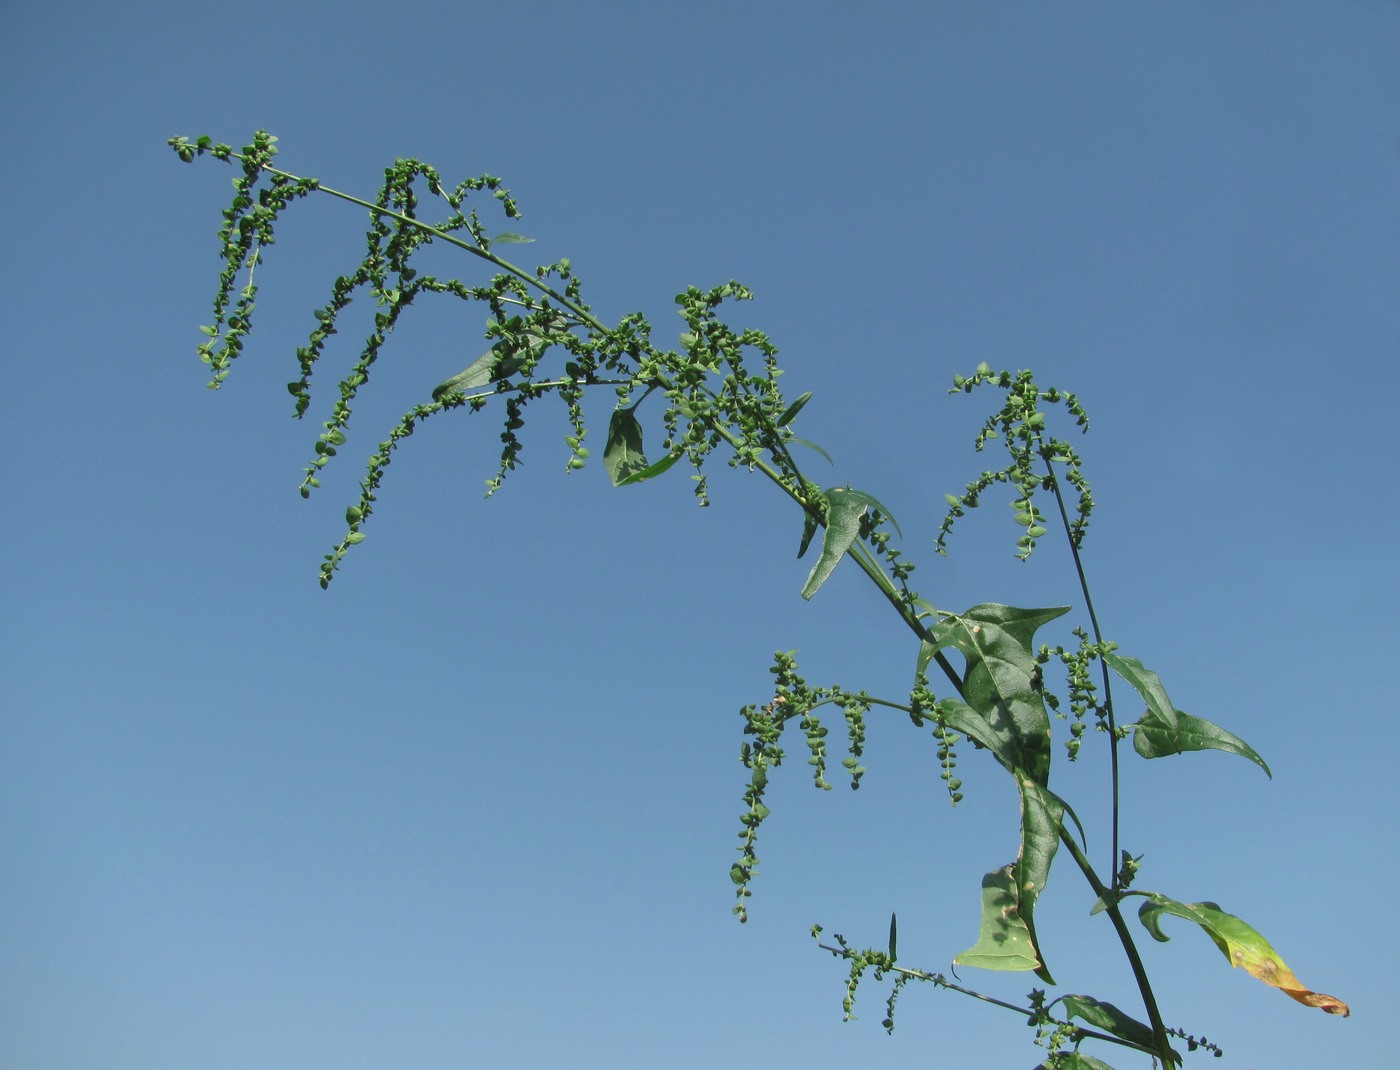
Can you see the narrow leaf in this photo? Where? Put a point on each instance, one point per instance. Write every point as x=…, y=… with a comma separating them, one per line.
x=1146, y=683
x=812, y=446
x=790, y=413
x=1239, y=943
x=809, y=528
x=843, y=513
x=1004, y=942
x=510, y=238
x=893, y=935
x=1154, y=739
x=652, y=470
x=623, y=456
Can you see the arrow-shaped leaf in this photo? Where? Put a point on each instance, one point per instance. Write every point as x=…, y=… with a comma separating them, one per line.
x=1155, y=739
x=843, y=512
x=1004, y=942
x=1239, y=943
x=1042, y=814
x=1004, y=711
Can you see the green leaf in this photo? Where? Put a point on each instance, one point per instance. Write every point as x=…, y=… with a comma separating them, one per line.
x=502, y=361
x=1041, y=817
x=790, y=413
x=813, y=446
x=476, y=375
x=1013, y=891
x=1239, y=943
x=843, y=512
x=622, y=456
x=1146, y=683
x=510, y=238
x=873, y=502
x=1073, y=1060
x=1004, y=942
x=893, y=935
x=1155, y=739
x=652, y=470
x=1109, y=1018
x=354, y=537
x=1004, y=710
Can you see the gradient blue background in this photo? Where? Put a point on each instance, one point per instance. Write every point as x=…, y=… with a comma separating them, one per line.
x=475, y=805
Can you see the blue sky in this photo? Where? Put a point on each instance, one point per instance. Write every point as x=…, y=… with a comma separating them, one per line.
x=475, y=805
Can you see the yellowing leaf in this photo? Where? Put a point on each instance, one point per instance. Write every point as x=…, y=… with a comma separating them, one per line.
x=1239, y=943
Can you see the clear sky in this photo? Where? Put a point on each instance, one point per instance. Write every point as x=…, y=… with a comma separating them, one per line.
x=475, y=805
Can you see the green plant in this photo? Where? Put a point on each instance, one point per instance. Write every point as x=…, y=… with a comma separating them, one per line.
x=979, y=675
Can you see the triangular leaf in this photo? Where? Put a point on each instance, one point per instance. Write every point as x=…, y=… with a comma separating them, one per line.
x=622, y=456
x=1239, y=943
x=1004, y=941
x=1146, y=683
x=843, y=512
x=1011, y=893
x=1154, y=739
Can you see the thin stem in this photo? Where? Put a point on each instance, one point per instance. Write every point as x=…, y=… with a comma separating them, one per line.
x=942, y=982
x=476, y=250
x=1107, y=706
